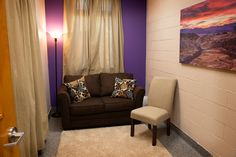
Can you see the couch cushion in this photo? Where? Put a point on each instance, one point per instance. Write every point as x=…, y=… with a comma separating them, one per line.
x=108, y=81
x=93, y=84
x=124, y=88
x=78, y=90
x=70, y=78
x=117, y=104
x=88, y=106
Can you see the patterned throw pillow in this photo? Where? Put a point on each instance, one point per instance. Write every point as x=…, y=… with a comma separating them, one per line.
x=124, y=88
x=77, y=90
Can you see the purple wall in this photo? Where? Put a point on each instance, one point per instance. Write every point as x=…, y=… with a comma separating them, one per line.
x=134, y=24
x=54, y=22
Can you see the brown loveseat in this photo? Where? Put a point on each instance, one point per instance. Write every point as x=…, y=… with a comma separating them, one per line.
x=101, y=109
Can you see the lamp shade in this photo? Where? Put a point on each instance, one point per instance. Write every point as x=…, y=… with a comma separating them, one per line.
x=55, y=34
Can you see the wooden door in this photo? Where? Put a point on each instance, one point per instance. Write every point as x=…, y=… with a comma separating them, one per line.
x=7, y=108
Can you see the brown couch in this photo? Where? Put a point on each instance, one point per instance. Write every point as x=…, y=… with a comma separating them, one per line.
x=101, y=109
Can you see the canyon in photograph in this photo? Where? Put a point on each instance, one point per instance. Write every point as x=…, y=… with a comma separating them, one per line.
x=208, y=34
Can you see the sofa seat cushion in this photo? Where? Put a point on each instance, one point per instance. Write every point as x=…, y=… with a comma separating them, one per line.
x=117, y=104
x=108, y=81
x=89, y=106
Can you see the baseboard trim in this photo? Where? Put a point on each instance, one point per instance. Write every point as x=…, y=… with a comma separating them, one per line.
x=191, y=142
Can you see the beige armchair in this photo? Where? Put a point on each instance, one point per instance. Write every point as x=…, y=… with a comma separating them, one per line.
x=160, y=102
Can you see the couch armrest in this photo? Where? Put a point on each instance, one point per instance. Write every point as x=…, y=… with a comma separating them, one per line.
x=138, y=96
x=63, y=100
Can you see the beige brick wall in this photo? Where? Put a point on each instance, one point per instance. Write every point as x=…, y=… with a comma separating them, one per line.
x=205, y=104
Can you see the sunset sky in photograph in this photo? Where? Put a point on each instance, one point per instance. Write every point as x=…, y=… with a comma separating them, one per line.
x=208, y=14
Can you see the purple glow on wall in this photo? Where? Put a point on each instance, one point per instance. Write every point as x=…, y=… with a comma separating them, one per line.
x=54, y=22
x=134, y=24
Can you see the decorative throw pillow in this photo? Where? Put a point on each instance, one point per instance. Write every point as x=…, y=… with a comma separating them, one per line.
x=77, y=90
x=124, y=88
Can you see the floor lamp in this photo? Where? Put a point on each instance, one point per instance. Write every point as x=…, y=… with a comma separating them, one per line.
x=56, y=36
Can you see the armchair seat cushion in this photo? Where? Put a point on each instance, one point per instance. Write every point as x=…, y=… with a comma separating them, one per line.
x=149, y=114
x=117, y=104
x=89, y=106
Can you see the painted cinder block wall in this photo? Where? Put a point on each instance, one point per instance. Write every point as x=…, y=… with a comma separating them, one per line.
x=205, y=102
x=134, y=25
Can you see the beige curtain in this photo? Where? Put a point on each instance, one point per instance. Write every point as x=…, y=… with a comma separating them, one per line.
x=93, y=40
x=28, y=75
x=41, y=24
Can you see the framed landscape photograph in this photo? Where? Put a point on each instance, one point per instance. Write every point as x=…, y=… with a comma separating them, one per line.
x=208, y=34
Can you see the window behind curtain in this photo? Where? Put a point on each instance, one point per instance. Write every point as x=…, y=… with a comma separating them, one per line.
x=94, y=39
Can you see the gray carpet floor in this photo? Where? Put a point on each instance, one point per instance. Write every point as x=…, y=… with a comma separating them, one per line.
x=175, y=144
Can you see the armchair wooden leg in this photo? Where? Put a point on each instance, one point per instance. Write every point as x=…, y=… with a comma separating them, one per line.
x=132, y=128
x=168, y=127
x=154, y=135
x=149, y=126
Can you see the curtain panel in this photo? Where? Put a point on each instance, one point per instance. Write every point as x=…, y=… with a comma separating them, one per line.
x=28, y=74
x=93, y=37
x=41, y=25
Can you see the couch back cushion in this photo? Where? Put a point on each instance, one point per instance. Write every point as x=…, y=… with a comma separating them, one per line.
x=92, y=83
x=70, y=78
x=108, y=81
